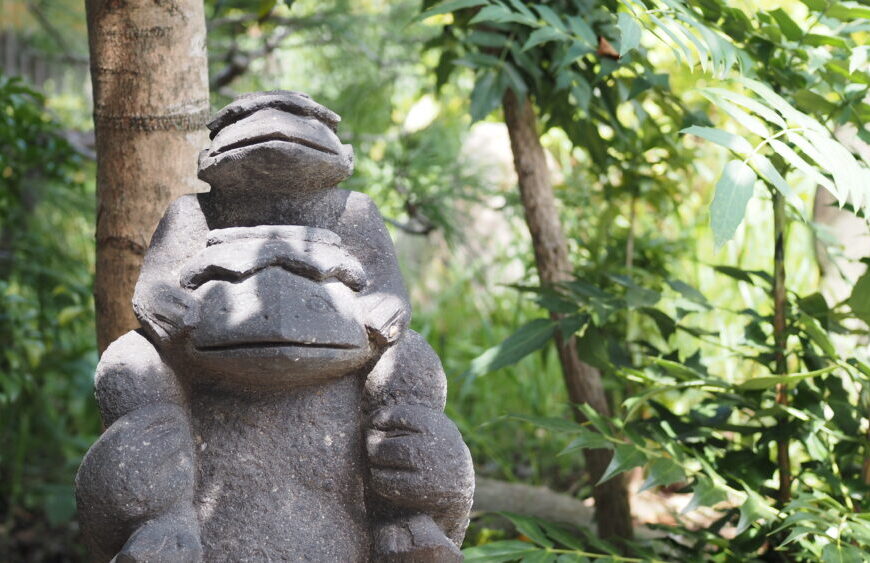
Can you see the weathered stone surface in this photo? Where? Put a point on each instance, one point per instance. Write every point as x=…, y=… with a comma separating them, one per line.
x=274, y=406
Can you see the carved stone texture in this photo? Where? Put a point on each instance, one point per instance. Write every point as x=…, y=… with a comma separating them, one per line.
x=274, y=405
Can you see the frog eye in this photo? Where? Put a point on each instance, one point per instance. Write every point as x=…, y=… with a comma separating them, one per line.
x=319, y=305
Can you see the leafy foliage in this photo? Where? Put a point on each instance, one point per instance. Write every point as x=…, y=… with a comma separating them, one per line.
x=787, y=73
x=720, y=449
x=46, y=318
x=801, y=83
x=796, y=87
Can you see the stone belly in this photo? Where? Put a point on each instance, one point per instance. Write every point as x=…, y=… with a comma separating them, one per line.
x=283, y=478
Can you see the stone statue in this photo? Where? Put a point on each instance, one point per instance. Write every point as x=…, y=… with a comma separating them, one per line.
x=274, y=406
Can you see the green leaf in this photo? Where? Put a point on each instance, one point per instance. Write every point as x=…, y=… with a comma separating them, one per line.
x=592, y=348
x=638, y=297
x=588, y=440
x=848, y=11
x=682, y=50
x=841, y=164
x=706, y=492
x=790, y=156
x=582, y=92
x=497, y=552
x=772, y=175
x=551, y=17
x=572, y=55
x=768, y=381
x=797, y=533
x=677, y=370
x=728, y=140
x=752, y=105
x=664, y=323
x=582, y=30
x=520, y=6
x=487, y=39
x=67, y=314
x=818, y=335
x=789, y=28
x=529, y=528
x=733, y=191
x=754, y=508
x=629, y=33
x=859, y=300
x=736, y=273
x=543, y=35
x=817, y=5
x=529, y=338
x=564, y=535
x=486, y=95
x=689, y=292
x=663, y=471
x=721, y=52
x=811, y=151
x=750, y=122
x=625, y=457
x=264, y=7
x=597, y=420
x=539, y=557
x=452, y=6
x=515, y=80
x=816, y=449
x=808, y=100
x=781, y=105
x=860, y=366
x=839, y=552
x=818, y=40
x=815, y=305
x=499, y=14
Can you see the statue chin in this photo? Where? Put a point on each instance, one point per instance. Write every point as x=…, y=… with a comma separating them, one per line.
x=277, y=365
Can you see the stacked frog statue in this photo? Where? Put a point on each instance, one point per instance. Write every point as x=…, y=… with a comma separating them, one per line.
x=274, y=404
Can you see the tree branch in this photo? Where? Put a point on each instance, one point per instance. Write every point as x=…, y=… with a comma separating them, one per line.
x=411, y=229
x=239, y=61
x=63, y=47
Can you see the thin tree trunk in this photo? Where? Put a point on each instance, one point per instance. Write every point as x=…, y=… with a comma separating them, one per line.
x=150, y=78
x=780, y=336
x=612, y=510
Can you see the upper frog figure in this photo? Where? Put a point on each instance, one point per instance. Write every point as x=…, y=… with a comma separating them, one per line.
x=275, y=159
x=278, y=142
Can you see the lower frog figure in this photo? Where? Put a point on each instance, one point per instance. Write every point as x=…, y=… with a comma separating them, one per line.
x=264, y=412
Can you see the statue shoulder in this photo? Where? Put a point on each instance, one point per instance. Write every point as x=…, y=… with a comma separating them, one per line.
x=361, y=203
x=130, y=375
x=183, y=210
x=408, y=373
x=182, y=224
x=361, y=212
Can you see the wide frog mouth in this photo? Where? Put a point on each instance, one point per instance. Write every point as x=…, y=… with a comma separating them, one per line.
x=276, y=136
x=274, y=345
x=271, y=125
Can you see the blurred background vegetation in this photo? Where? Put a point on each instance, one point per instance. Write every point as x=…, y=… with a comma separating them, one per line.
x=678, y=324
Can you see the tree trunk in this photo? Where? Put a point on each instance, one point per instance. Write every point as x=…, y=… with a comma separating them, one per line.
x=150, y=79
x=612, y=511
